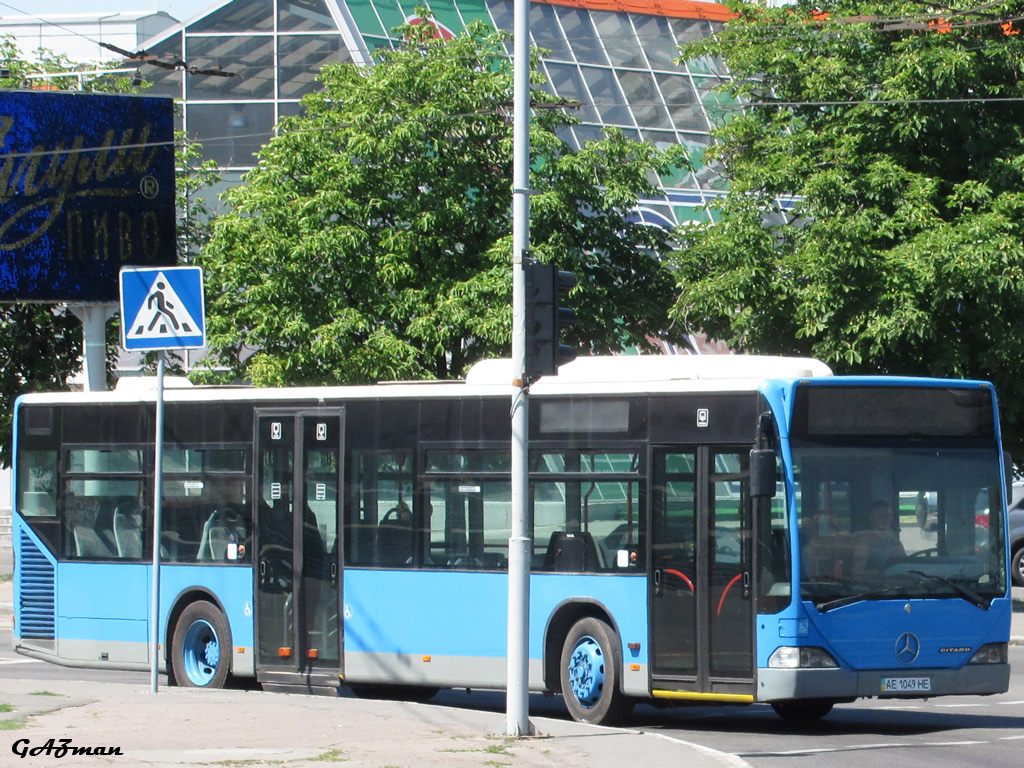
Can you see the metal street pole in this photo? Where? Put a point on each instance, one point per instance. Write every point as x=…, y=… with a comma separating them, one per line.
x=517, y=702
x=152, y=322
x=94, y=342
x=158, y=482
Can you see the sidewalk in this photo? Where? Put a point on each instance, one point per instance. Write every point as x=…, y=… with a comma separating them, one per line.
x=186, y=727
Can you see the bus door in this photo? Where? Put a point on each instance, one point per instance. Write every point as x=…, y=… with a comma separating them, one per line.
x=701, y=615
x=298, y=579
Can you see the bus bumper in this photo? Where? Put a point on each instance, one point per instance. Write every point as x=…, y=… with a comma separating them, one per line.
x=973, y=679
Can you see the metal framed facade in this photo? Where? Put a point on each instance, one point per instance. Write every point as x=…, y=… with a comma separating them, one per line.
x=619, y=64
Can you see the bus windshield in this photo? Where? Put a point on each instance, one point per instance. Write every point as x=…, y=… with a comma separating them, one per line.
x=885, y=521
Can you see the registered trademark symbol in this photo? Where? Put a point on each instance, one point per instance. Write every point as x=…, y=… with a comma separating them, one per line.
x=149, y=187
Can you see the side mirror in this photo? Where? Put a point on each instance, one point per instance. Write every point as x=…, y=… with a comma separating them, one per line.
x=762, y=473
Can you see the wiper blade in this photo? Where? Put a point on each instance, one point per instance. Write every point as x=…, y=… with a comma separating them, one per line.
x=965, y=593
x=839, y=602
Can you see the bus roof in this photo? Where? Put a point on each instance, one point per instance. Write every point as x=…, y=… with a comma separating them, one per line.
x=605, y=375
x=652, y=368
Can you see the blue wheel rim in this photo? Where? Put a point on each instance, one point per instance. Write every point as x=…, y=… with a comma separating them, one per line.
x=200, y=652
x=586, y=672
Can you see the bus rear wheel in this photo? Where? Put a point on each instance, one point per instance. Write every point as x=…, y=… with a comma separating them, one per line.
x=590, y=673
x=201, y=647
x=802, y=710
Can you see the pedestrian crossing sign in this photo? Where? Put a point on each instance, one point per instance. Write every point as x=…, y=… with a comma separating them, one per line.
x=162, y=308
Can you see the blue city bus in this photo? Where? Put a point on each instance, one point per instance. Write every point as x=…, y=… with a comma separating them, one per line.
x=727, y=529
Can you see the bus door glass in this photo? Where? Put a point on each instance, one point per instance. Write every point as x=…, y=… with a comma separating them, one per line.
x=701, y=614
x=674, y=562
x=729, y=553
x=297, y=575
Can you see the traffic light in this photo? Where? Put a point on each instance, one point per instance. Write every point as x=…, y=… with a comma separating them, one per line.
x=545, y=319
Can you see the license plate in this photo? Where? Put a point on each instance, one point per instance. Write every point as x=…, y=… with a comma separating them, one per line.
x=906, y=684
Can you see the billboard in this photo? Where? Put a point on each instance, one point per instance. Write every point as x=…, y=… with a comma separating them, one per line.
x=86, y=187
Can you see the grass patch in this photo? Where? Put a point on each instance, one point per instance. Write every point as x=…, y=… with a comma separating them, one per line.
x=11, y=725
x=331, y=756
x=44, y=693
x=6, y=708
x=5, y=577
x=496, y=764
x=493, y=749
x=500, y=749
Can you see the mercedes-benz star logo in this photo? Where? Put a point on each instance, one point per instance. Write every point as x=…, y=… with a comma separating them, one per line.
x=908, y=646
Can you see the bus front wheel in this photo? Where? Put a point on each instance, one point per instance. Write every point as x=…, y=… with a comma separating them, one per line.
x=1017, y=567
x=201, y=647
x=802, y=710
x=590, y=674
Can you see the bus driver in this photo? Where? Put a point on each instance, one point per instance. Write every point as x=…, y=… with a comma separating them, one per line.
x=879, y=545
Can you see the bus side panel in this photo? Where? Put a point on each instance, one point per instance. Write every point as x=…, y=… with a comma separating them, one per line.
x=34, y=593
x=450, y=629
x=623, y=597
x=102, y=612
x=232, y=588
x=424, y=627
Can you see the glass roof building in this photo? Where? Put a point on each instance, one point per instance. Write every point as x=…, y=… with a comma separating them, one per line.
x=243, y=64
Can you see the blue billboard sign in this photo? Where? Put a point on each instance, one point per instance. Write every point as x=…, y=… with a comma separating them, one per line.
x=86, y=187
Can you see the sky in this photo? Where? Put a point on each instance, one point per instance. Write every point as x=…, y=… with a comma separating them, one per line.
x=182, y=10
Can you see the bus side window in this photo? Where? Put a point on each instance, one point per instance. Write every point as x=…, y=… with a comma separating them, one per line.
x=380, y=527
x=207, y=512
x=91, y=529
x=469, y=525
x=586, y=526
x=37, y=475
x=127, y=525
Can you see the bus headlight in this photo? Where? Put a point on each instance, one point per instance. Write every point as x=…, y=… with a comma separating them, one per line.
x=993, y=653
x=802, y=657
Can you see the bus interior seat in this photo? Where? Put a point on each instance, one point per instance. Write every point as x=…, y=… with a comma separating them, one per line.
x=94, y=532
x=496, y=561
x=394, y=536
x=89, y=544
x=571, y=552
x=128, y=530
x=222, y=524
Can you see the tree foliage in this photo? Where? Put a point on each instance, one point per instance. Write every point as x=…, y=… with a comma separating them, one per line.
x=875, y=217
x=373, y=239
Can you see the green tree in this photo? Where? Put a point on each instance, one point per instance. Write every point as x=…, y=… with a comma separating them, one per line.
x=372, y=241
x=875, y=217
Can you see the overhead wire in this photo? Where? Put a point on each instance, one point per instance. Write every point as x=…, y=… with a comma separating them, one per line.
x=144, y=57
x=499, y=113
x=597, y=39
